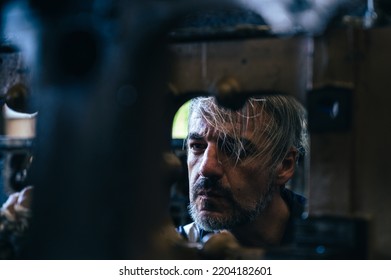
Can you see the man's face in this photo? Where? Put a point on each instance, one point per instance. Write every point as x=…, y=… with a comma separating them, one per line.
x=224, y=192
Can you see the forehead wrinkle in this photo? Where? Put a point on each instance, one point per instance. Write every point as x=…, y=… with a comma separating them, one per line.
x=198, y=125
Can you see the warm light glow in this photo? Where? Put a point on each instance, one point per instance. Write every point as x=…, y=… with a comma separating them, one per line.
x=179, y=128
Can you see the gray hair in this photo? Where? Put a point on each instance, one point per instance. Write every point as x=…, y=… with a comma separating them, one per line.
x=278, y=123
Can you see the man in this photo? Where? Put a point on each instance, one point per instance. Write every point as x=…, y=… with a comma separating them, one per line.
x=239, y=163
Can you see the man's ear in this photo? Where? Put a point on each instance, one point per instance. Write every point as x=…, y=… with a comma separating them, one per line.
x=286, y=168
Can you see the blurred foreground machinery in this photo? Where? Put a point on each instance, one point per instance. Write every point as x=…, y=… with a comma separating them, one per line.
x=17, y=131
x=108, y=77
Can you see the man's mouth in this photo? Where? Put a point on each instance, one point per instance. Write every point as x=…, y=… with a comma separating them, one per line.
x=210, y=201
x=209, y=194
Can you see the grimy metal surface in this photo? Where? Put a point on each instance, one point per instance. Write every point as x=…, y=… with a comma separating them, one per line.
x=13, y=70
x=257, y=65
x=349, y=170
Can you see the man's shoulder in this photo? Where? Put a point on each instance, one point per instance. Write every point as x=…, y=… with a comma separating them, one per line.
x=296, y=202
x=297, y=205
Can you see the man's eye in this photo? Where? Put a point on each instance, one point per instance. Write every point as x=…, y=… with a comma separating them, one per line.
x=232, y=150
x=227, y=149
x=197, y=147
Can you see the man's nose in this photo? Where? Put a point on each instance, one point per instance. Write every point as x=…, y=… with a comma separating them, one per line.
x=211, y=165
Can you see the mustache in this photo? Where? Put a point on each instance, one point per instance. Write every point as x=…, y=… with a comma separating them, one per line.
x=212, y=187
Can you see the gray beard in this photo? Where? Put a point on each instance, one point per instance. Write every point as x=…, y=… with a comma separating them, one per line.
x=239, y=216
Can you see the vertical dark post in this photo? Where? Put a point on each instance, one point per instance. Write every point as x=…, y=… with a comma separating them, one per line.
x=102, y=131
